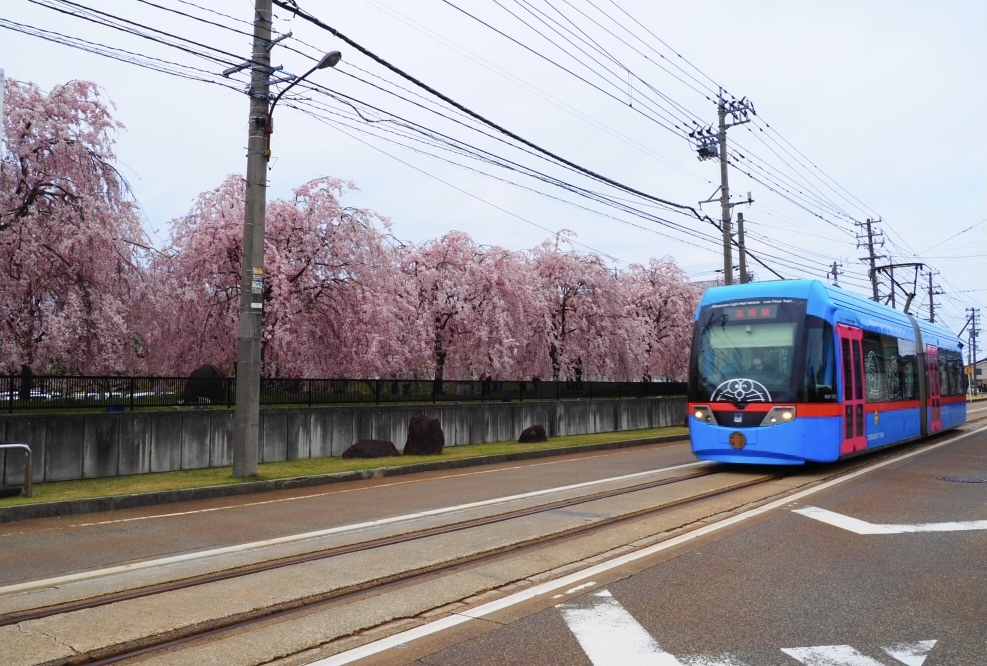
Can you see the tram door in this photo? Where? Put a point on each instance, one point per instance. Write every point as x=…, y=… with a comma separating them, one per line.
x=854, y=437
x=935, y=388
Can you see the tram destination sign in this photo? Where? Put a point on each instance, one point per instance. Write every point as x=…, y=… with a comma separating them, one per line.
x=754, y=310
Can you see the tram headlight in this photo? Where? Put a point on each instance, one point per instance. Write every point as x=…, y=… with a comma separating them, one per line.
x=779, y=415
x=703, y=413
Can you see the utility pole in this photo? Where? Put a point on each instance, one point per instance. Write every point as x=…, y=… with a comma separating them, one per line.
x=836, y=271
x=933, y=291
x=974, y=322
x=710, y=146
x=740, y=249
x=246, y=417
x=870, y=252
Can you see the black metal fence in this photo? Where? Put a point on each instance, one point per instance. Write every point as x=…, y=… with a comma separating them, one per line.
x=71, y=393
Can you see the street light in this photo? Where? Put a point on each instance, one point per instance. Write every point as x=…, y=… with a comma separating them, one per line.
x=246, y=417
x=330, y=59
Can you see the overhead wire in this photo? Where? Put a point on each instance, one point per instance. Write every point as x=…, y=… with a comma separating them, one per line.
x=459, y=148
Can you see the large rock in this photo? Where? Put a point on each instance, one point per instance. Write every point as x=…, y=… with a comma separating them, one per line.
x=425, y=437
x=535, y=433
x=206, y=385
x=371, y=448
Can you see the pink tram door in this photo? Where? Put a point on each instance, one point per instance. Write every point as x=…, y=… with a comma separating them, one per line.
x=854, y=437
x=935, y=388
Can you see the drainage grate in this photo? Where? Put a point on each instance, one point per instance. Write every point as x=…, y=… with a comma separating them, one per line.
x=962, y=479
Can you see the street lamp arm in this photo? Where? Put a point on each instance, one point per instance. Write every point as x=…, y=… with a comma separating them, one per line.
x=330, y=59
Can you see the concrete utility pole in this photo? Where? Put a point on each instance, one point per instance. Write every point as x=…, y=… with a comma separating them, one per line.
x=836, y=272
x=246, y=417
x=740, y=249
x=709, y=146
x=974, y=322
x=871, y=256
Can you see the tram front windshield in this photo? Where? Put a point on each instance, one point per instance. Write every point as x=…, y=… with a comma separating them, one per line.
x=747, y=351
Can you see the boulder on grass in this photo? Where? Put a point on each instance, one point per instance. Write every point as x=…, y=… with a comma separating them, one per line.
x=206, y=385
x=425, y=437
x=535, y=433
x=371, y=448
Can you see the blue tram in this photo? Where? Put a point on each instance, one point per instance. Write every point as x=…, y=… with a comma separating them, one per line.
x=794, y=371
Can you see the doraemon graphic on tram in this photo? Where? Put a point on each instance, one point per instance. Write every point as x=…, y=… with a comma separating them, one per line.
x=797, y=371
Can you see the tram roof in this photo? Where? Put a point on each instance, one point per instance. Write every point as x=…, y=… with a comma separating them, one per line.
x=835, y=304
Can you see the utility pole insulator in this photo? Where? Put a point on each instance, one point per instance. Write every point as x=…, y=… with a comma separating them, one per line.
x=710, y=145
x=836, y=271
x=871, y=256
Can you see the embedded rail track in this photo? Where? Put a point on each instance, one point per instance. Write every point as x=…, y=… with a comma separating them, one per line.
x=240, y=572
x=734, y=481
x=131, y=649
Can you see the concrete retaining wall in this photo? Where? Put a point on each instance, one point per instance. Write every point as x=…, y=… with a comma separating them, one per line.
x=86, y=446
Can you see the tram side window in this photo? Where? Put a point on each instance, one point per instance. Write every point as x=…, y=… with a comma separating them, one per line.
x=820, y=363
x=889, y=368
x=875, y=369
x=951, y=372
x=907, y=370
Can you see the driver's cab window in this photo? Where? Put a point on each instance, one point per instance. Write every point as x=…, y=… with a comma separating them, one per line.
x=820, y=362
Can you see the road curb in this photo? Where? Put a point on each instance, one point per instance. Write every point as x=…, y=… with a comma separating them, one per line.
x=98, y=504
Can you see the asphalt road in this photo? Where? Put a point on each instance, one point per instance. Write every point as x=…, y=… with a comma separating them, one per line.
x=46, y=548
x=888, y=568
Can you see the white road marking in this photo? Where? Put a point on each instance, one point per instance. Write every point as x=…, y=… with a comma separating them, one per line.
x=863, y=527
x=610, y=636
x=578, y=588
x=338, y=491
x=911, y=654
x=342, y=529
x=552, y=586
x=831, y=655
x=712, y=660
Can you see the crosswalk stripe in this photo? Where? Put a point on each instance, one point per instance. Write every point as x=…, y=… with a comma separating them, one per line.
x=831, y=655
x=610, y=636
x=911, y=654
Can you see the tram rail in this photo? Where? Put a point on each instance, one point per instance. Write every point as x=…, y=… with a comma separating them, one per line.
x=217, y=628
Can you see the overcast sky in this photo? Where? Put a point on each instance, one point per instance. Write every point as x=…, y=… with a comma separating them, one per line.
x=864, y=109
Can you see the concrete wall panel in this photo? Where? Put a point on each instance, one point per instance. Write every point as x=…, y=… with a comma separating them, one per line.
x=274, y=437
x=297, y=430
x=101, y=447
x=64, y=449
x=134, y=444
x=320, y=432
x=220, y=439
x=76, y=446
x=166, y=442
x=32, y=431
x=195, y=440
x=343, y=433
